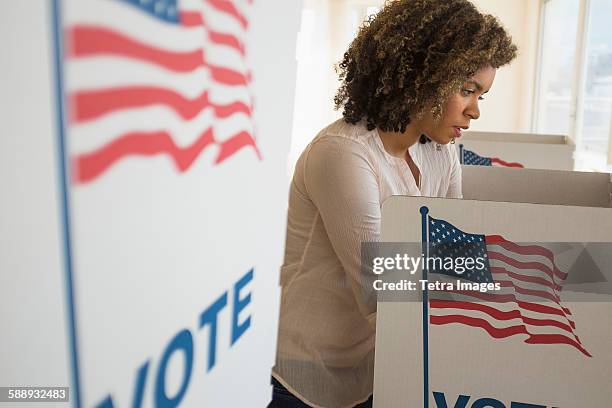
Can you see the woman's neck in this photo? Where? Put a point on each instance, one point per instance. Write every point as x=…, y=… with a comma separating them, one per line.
x=396, y=143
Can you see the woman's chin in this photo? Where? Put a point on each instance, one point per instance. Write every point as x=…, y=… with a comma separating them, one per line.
x=442, y=141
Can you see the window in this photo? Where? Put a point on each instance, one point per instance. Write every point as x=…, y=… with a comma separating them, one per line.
x=594, y=132
x=558, y=57
x=575, y=81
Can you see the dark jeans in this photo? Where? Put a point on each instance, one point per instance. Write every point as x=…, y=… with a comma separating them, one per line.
x=282, y=398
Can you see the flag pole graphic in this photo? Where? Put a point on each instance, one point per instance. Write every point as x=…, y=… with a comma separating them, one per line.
x=461, y=153
x=424, y=242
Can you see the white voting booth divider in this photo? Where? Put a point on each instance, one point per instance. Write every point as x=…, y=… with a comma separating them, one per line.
x=460, y=359
x=537, y=186
x=522, y=150
x=143, y=222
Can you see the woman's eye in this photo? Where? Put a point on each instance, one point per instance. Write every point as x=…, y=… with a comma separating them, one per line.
x=468, y=92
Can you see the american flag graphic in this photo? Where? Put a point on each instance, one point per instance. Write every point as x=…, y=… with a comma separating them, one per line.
x=471, y=158
x=528, y=304
x=156, y=78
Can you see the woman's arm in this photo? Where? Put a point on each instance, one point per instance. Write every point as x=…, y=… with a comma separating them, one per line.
x=343, y=186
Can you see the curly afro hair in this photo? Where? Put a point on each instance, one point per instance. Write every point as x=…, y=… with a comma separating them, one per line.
x=412, y=56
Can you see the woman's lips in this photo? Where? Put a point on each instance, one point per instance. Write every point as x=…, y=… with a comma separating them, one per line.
x=457, y=132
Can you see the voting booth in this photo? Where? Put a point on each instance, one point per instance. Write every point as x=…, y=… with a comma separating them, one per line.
x=537, y=186
x=140, y=255
x=516, y=150
x=540, y=339
x=514, y=352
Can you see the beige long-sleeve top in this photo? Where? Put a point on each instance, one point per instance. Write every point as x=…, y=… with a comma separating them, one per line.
x=325, y=352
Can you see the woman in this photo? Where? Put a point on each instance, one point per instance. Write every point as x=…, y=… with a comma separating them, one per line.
x=412, y=80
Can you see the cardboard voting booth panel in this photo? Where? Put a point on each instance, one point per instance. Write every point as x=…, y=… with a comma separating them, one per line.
x=502, y=137
x=512, y=352
x=537, y=186
x=33, y=339
x=145, y=221
x=532, y=151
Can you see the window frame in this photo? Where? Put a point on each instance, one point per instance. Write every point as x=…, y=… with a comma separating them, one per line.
x=578, y=80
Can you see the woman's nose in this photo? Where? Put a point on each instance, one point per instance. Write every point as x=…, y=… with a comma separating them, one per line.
x=473, y=111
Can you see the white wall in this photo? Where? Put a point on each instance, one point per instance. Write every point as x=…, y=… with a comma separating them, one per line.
x=315, y=78
x=509, y=106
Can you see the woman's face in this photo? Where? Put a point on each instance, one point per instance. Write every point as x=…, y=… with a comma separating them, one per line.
x=460, y=108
